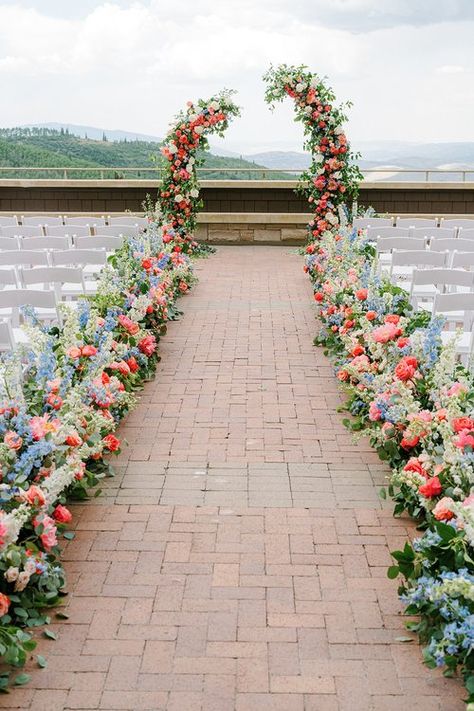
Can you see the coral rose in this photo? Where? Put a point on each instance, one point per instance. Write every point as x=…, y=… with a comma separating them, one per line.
x=74, y=352
x=4, y=604
x=12, y=440
x=406, y=368
x=462, y=423
x=88, y=351
x=61, y=514
x=361, y=294
x=111, y=442
x=35, y=496
x=442, y=511
x=431, y=488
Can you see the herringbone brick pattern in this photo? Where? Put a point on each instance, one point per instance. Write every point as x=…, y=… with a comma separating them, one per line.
x=237, y=562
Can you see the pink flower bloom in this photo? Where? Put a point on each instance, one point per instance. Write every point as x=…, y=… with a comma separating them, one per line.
x=41, y=426
x=442, y=511
x=35, y=496
x=12, y=440
x=464, y=439
x=48, y=536
x=385, y=333
x=457, y=389
x=374, y=412
x=62, y=514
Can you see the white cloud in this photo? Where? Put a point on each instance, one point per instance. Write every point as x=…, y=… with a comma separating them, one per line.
x=132, y=65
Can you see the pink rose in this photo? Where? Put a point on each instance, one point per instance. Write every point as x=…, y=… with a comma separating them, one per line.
x=48, y=536
x=35, y=496
x=12, y=440
x=387, y=332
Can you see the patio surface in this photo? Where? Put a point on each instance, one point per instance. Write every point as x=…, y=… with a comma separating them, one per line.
x=237, y=562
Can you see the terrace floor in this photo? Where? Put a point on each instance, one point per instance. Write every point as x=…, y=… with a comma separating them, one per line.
x=238, y=559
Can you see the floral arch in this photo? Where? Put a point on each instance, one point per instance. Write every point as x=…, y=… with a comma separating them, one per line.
x=179, y=194
x=332, y=178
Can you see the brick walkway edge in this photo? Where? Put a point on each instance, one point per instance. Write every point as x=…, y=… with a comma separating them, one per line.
x=237, y=562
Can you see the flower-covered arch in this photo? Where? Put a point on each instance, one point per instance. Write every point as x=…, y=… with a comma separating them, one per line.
x=333, y=177
x=179, y=194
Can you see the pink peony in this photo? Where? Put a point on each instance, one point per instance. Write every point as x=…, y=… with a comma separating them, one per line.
x=48, y=536
x=464, y=439
x=374, y=412
x=457, y=389
x=385, y=333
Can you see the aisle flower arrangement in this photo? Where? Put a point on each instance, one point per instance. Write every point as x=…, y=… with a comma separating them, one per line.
x=405, y=390
x=61, y=399
x=408, y=393
x=332, y=178
x=186, y=140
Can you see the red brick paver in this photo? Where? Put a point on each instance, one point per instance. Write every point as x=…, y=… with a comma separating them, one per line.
x=237, y=562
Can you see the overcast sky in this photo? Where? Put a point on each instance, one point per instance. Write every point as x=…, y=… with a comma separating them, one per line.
x=408, y=65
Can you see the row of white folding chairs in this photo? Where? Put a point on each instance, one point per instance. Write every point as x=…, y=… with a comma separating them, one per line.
x=11, y=244
x=108, y=230
x=375, y=233
x=68, y=281
x=458, y=310
x=86, y=220
x=456, y=222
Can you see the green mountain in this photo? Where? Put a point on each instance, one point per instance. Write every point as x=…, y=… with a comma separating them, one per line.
x=50, y=148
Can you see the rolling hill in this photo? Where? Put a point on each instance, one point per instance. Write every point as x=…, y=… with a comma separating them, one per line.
x=49, y=148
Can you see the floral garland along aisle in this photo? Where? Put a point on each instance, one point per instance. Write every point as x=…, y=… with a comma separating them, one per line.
x=61, y=399
x=405, y=390
x=179, y=194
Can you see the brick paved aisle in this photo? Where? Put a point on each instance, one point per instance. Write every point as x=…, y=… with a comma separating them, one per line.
x=238, y=560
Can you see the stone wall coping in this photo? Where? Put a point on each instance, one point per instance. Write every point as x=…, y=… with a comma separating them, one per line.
x=260, y=218
x=237, y=184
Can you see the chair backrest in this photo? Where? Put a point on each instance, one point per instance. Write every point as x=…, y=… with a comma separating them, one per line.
x=52, y=275
x=130, y=220
x=376, y=232
x=9, y=243
x=38, y=220
x=86, y=220
x=68, y=230
x=117, y=230
x=14, y=298
x=464, y=233
x=443, y=277
x=460, y=245
x=8, y=277
x=99, y=242
x=46, y=242
x=21, y=231
x=418, y=258
x=8, y=220
x=435, y=232
x=458, y=222
x=7, y=340
x=23, y=257
x=79, y=257
x=386, y=244
x=462, y=259
x=448, y=303
x=417, y=222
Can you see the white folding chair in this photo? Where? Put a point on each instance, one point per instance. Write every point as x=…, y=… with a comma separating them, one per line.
x=403, y=263
x=458, y=244
x=385, y=245
x=458, y=222
x=41, y=220
x=117, y=230
x=426, y=283
x=44, y=303
x=141, y=222
x=7, y=339
x=8, y=220
x=458, y=310
x=9, y=243
x=110, y=243
x=463, y=260
x=68, y=231
x=465, y=233
x=435, y=232
x=21, y=231
x=47, y=243
x=24, y=258
x=88, y=220
x=91, y=261
x=417, y=222
x=67, y=282
x=374, y=233
x=8, y=278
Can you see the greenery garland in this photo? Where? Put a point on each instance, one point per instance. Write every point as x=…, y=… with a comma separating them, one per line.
x=332, y=178
x=179, y=195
